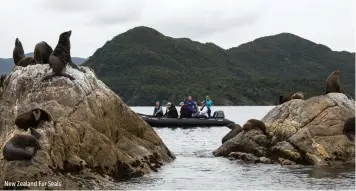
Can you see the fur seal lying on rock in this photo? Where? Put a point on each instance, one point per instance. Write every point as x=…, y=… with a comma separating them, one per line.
x=60, y=57
x=18, y=52
x=333, y=84
x=26, y=61
x=349, y=128
x=235, y=129
x=15, y=148
x=297, y=95
x=254, y=123
x=32, y=118
x=42, y=52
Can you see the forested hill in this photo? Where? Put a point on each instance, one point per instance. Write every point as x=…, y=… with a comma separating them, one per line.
x=142, y=66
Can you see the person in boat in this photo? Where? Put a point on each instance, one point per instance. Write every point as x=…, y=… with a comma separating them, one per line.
x=203, y=111
x=158, y=111
x=171, y=111
x=191, y=105
x=208, y=103
x=184, y=112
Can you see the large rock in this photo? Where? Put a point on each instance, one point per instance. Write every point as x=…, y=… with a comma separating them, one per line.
x=303, y=131
x=93, y=131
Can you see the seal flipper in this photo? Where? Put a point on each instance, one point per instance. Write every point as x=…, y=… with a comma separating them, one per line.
x=60, y=74
x=35, y=133
x=66, y=75
x=48, y=77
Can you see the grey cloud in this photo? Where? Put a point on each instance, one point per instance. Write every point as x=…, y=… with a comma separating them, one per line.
x=69, y=5
x=117, y=16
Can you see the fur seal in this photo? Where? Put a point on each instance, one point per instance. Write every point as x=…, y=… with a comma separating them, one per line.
x=349, y=128
x=297, y=95
x=32, y=118
x=60, y=57
x=26, y=61
x=42, y=52
x=333, y=84
x=235, y=129
x=15, y=148
x=254, y=123
x=18, y=52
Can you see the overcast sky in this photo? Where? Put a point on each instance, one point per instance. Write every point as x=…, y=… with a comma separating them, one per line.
x=227, y=23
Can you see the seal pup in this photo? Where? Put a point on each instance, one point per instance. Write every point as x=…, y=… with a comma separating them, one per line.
x=60, y=57
x=297, y=95
x=254, y=123
x=333, y=84
x=235, y=129
x=349, y=128
x=42, y=52
x=15, y=148
x=32, y=118
x=18, y=52
x=26, y=61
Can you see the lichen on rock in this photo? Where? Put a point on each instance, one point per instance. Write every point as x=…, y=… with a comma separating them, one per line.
x=93, y=132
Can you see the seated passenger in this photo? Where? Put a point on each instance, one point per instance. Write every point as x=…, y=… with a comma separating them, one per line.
x=158, y=112
x=184, y=112
x=171, y=111
x=204, y=111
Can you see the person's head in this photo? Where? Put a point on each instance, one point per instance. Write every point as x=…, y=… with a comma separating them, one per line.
x=190, y=98
x=181, y=104
x=157, y=103
x=169, y=104
x=207, y=97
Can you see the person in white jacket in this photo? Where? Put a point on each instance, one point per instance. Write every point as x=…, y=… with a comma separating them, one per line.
x=203, y=113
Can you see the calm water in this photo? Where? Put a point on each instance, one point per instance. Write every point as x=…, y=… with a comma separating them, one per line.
x=196, y=168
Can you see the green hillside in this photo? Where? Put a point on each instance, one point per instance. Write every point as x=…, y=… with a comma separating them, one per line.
x=143, y=65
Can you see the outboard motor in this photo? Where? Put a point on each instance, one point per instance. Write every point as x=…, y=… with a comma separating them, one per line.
x=219, y=114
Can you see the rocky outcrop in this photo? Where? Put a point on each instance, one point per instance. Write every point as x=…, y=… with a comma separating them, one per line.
x=93, y=138
x=301, y=131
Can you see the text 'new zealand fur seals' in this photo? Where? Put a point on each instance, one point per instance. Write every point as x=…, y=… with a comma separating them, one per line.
x=42, y=52
x=349, y=128
x=297, y=95
x=235, y=129
x=15, y=148
x=18, y=52
x=333, y=84
x=32, y=118
x=254, y=124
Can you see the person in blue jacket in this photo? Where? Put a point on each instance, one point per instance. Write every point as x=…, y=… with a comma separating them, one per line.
x=191, y=105
x=208, y=104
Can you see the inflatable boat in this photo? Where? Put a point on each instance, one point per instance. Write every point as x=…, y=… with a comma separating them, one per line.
x=218, y=119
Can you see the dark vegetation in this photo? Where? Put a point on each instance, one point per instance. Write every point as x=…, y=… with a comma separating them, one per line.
x=142, y=66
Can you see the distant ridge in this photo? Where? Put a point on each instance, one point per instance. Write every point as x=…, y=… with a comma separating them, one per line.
x=6, y=64
x=143, y=65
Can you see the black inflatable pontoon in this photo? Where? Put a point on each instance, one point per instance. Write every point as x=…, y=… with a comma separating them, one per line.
x=216, y=120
